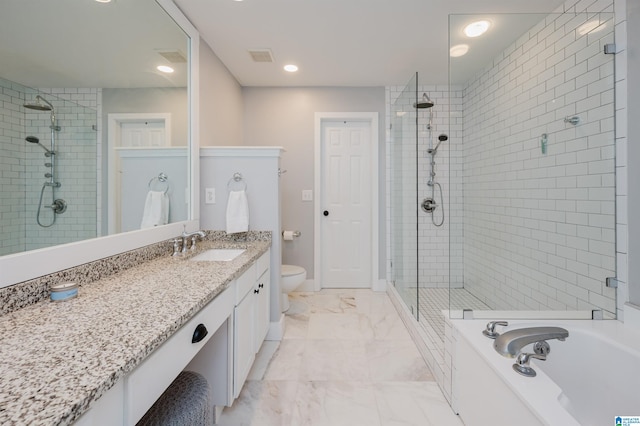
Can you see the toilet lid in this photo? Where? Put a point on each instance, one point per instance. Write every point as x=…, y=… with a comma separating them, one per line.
x=288, y=270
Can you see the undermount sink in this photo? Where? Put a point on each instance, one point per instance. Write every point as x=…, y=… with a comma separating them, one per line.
x=218, y=255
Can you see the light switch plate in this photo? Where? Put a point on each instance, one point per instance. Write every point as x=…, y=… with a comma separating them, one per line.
x=210, y=196
x=307, y=195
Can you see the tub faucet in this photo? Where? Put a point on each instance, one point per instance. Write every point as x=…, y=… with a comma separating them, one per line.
x=510, y=343
x=193, y=235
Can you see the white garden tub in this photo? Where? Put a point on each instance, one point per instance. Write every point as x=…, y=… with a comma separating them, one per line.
x=589, y=379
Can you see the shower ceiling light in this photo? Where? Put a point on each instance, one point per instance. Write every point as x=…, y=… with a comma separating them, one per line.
x=476, y=29
x=103, y=1
x=458, y=50
x=164, y=68
x=290, y=68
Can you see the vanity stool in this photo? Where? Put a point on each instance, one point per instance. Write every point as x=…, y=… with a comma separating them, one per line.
x=184, y=403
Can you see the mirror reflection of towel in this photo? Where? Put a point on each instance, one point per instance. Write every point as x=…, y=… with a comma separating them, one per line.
x=156, y=210
x=237, y=212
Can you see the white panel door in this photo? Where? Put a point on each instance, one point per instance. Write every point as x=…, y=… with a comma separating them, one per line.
x=346, y=203
x=147, y=133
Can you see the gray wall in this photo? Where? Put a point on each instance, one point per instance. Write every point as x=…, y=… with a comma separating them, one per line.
x=633, y=147
x=285, y=117
x=220, y=102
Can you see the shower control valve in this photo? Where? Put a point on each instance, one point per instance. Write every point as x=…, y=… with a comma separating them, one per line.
x=428, y=205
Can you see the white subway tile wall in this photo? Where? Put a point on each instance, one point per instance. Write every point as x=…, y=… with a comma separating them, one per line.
x=13, y=147
x=23, y=168
x=423, y=242
x=76, y=150
x=540, y=228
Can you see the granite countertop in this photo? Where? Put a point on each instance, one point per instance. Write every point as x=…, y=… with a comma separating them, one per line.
x=56, y=358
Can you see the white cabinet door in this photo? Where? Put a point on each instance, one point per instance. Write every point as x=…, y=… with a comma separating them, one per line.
x=261, y=323
x=244, y=354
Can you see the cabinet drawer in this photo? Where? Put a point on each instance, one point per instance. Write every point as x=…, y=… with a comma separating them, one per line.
x=244, y=283
x=262, y=263
x=147, y=382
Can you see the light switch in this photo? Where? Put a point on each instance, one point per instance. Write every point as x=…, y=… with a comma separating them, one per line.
x=307, y=195
x=210, y=196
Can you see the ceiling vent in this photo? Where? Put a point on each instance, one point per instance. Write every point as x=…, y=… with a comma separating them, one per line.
x=261, y=55
x=173, y=56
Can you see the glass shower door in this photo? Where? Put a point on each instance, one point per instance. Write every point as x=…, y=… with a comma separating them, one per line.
x=403, y=189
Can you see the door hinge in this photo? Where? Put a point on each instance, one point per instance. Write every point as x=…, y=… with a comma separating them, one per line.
x=610, y=49
x=611, y=282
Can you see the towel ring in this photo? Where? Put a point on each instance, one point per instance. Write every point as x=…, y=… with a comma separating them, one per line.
x=237, y=179
x=162, y=178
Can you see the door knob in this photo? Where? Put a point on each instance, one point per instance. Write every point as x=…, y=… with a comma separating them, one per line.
x=326, y=213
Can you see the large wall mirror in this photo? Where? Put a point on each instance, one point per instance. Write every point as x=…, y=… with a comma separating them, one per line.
x=97, y=111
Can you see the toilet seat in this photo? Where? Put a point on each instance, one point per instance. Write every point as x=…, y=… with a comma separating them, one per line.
x=289, y=270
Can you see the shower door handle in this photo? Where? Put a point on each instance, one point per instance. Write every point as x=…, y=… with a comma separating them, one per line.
x=326, y=212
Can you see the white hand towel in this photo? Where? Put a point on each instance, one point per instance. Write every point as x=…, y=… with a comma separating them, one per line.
x=156, y=210
x=237, y=212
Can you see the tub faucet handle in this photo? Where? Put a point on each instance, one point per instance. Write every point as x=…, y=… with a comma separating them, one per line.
x=522, y=363
x=490, y=331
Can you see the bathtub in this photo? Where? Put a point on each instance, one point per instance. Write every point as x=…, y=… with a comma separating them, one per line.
x=589, y=379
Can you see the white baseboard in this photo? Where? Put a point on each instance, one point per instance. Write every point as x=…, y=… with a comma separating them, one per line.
x=310, y=285
x=276, y=329
x=380, y=285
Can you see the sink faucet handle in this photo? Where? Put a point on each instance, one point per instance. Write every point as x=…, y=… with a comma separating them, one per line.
x=176, y=246
x=490, y=331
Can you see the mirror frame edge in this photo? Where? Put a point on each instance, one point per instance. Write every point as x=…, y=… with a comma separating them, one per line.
x=19, y=267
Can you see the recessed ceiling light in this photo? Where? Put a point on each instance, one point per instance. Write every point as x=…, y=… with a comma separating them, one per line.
x=164, y=68
x=477, y=28
x=458, y=50
x=103, y=1
x=290, y=68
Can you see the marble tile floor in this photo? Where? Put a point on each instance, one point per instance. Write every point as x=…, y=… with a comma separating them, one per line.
x=346, y=359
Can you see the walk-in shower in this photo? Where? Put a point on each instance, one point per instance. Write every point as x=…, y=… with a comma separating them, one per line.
x=529, y=191
x=57, y=206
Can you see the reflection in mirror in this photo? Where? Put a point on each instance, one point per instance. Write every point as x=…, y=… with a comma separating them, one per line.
x=88, y=122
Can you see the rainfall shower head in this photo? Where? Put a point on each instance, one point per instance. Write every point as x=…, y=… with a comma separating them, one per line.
x=33, y=139
x=426, y=102
x=38, y=106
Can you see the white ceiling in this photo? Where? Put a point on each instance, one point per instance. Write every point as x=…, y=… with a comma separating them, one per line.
x=71, y=43
x=350, y=42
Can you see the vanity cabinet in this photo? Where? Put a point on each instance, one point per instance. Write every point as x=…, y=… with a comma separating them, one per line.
x=220, y=342
x=145, y=384
x=261, y=293
x=251, y=319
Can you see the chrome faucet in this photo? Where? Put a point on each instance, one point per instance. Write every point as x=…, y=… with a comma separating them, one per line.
x=193, y=235
x=510, y=343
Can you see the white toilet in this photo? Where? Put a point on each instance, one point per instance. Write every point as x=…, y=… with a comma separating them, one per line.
x=291, y=277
